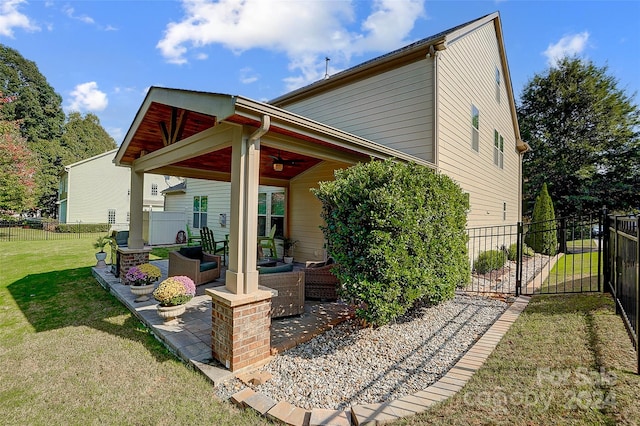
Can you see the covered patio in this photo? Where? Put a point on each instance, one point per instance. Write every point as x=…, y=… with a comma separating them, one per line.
x=189, y=338
x=248, y=143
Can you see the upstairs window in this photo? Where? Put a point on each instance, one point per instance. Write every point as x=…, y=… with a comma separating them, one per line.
x=497, y=85
x=154, y=189
x=475, y=129
x=498, y=149
x=200, y=204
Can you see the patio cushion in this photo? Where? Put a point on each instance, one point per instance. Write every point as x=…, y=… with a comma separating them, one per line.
x=207, y=266
x=276, y=269
x=194, y=252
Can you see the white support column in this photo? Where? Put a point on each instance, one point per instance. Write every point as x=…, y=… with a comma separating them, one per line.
x=135, y=212
x=242, y=276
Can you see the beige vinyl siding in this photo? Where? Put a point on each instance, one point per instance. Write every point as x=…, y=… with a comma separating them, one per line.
x=466, y=76
x=96, y=185
x=304, y=211
x=218, y=199
x=218, y=202
x=392, y=108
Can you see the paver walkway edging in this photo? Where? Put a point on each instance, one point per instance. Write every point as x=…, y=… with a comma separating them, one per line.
x=385, y=412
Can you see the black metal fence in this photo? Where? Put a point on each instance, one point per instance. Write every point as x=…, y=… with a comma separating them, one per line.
x=502, y=260
x=39, y=230
x=622, y=260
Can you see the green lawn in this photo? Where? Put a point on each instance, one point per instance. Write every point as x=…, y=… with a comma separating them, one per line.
x=573, y=273
x=566, y=360
x=72, y=354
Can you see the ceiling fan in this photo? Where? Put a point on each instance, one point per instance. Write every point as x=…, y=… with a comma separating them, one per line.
x=279, y=162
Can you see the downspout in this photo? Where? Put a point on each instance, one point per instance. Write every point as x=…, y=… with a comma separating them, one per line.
x=522, y=148
x=265, y=124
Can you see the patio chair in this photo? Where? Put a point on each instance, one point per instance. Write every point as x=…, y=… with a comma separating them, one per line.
x=269, y=242
x=210, y=245
x=319, y=281
x=192, y=262
x=192, y=238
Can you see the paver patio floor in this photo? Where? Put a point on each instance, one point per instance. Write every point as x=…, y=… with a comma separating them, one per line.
x=189, y=337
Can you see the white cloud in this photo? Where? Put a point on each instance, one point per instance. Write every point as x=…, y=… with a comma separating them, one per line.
x=306, y=31
x=248, y=76
x=11, y=18
x=87, y=97
x=70, y=12
x=570, y=45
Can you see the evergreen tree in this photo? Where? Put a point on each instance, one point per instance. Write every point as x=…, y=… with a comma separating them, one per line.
x=542, y=235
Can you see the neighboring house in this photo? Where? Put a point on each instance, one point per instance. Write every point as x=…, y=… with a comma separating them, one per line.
x=97, y=191
x=446, y=99
x=207, y=203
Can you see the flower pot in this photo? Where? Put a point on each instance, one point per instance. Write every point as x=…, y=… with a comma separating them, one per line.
x=288, y=259
x=142, y=291
x=169, y=313
x=100, y=257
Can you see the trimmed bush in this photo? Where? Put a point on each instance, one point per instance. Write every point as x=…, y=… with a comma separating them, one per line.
x=542, y=235
x=397, y=234
x=512, y=251
x=489, y=260
x=80, y=228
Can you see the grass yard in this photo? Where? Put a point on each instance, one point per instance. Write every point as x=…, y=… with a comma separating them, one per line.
x=72, y=354
x=573, y=273
x=566, y=360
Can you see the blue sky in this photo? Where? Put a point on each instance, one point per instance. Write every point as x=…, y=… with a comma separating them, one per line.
x=102, y=56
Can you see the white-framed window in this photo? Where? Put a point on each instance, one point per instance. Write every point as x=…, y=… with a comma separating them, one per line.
x=154, y=189
x=504, y=210
x=498, y=149
x=271, y=210
x=111, y=216
x=467, y=201
x=475, y=128
x=200, y=205
x=497, y=85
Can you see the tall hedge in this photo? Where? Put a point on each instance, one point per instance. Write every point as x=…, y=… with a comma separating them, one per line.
x=397, y=232
x=542, y=235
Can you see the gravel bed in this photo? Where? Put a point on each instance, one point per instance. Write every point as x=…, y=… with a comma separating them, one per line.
x=350, y=365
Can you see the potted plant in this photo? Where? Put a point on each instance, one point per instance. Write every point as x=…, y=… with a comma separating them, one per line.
x=141, y=280
x=288, y=245
x=172, y=294
x=101, y=243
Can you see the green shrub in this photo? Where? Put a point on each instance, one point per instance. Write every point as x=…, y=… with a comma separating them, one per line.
x=81, y=228
x=512, y=251
x=489, y=260
x=397, y=233
x=542, y=235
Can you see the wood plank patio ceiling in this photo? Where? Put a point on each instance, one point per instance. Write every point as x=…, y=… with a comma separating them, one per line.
x=150, y=136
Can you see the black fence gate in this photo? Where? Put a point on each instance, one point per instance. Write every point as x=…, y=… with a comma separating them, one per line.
x=558, y=256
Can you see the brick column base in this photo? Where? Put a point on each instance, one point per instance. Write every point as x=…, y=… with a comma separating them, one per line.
x=129, y=258
x=240, y=327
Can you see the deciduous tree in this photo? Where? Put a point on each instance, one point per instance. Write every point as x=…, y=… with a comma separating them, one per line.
x=584, y=133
